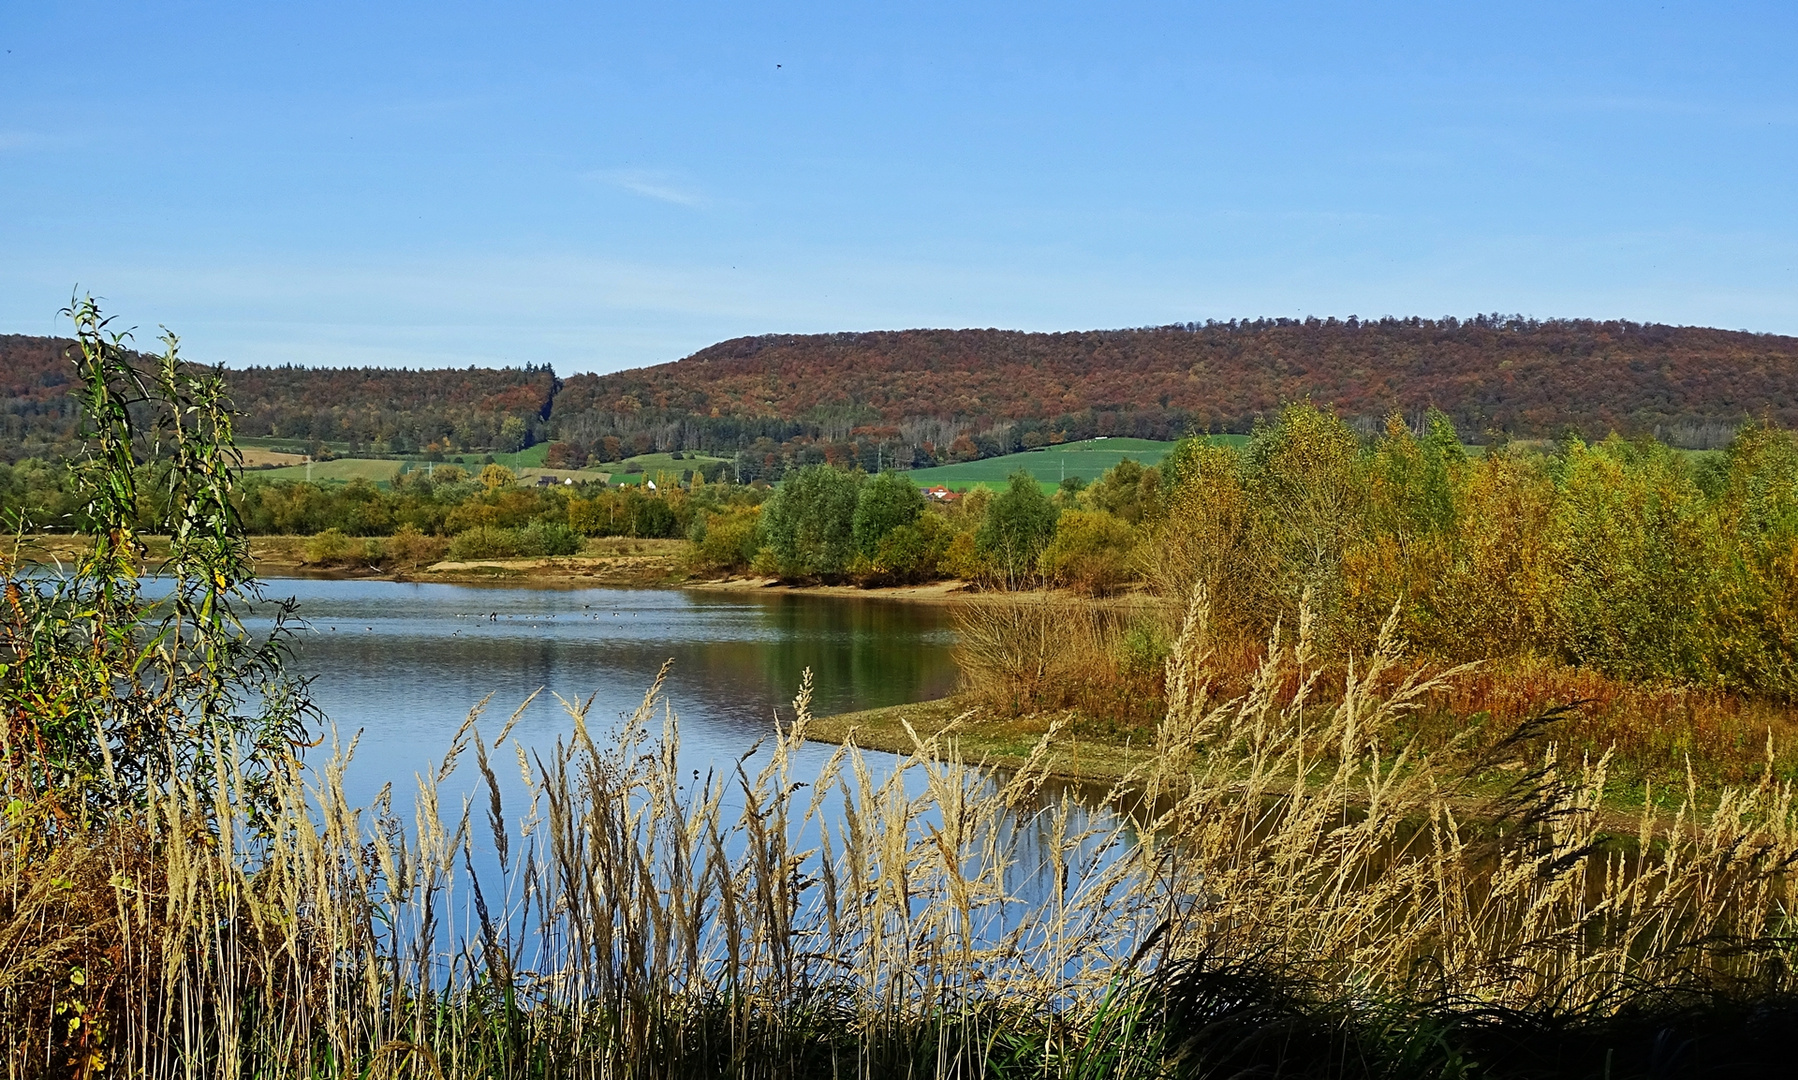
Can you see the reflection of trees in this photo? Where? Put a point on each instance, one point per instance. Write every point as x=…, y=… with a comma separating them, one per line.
x=736, y=659
x=862, y=653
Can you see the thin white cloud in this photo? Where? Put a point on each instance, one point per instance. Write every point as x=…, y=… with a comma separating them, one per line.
x=651, y=184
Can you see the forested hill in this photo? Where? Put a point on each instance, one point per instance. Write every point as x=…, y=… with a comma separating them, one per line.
x=1528, y=378
x=373, y=410
x=37, y=417
x=931, y=395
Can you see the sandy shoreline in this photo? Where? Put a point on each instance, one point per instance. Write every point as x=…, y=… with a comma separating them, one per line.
x=614, y=562
x=935, y=592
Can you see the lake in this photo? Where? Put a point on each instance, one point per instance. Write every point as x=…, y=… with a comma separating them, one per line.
x=403, y=662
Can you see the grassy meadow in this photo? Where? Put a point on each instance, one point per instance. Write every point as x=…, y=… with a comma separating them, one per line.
x=338, y=470
x=1087, y=460
x=527, y=464
x=651, y=464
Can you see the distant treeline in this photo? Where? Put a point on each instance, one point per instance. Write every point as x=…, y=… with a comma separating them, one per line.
x=925, y=397
x=353, y=410
x=398, y=411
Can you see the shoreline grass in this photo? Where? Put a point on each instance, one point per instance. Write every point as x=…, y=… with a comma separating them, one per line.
x=1281, y=897
x=1306, y=879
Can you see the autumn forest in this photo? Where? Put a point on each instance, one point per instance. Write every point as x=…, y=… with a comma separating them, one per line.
x=926, y=397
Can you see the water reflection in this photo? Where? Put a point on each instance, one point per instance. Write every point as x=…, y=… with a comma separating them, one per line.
x=404, y=662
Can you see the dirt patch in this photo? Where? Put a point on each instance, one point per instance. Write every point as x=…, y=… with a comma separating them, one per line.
x=254, y=458
x=609, y=561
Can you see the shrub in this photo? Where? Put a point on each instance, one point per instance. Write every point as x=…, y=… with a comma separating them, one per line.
x=725, y=542
x=1019, y=523
x=495, y=476
x=961, y=558
x=530, y=541
x=333, y=548
x=105, y=694
x=809, y=524
x=907, y=554
x=484, y=542
x=630, y=511
x=887, y=502
x=1090, y=552
x=410, y=548
x=1128, y=491
x=653, y=516
x=1023, y=654
x=765, y=564
x=1143, y=650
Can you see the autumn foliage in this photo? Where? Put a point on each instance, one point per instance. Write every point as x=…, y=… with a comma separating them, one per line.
x=922, y=397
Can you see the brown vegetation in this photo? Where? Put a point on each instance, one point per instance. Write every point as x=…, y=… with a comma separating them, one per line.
x=1515, y=375
x=640, y=923
x=1294, y=880
x=933, y=396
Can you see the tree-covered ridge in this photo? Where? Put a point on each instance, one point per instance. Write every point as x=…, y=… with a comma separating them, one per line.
x=385, y=410
x=39, y=414
x=1521, y=376
x=462, y=407
x=926, y=397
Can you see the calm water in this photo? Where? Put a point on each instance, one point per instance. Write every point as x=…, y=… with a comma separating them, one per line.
x=405, y=662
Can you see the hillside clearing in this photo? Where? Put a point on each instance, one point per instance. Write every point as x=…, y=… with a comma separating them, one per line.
x=1086, y=460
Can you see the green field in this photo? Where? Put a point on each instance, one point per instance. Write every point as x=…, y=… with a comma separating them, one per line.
x=341, y=470
x=531, y=457
x=1087, y=460
x=528, y=463
x=654, y=463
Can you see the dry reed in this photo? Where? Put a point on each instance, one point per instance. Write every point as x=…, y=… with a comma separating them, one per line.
x=922, y=917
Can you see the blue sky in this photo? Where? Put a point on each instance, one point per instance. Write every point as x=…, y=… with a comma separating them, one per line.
x=604, y=186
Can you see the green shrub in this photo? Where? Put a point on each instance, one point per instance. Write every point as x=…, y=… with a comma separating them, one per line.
x=909, y=553
x=725, y=542
x=887, y=502
x=332, y=548
x=1144, y=648
x=765, y=564
x=809, y=524
x=1019, y=523
x=534, y=540
x=1090, y=552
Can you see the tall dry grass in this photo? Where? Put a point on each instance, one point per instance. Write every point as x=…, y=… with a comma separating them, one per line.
x=1027, y=656
x=917, y=917
x=1028, y=653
